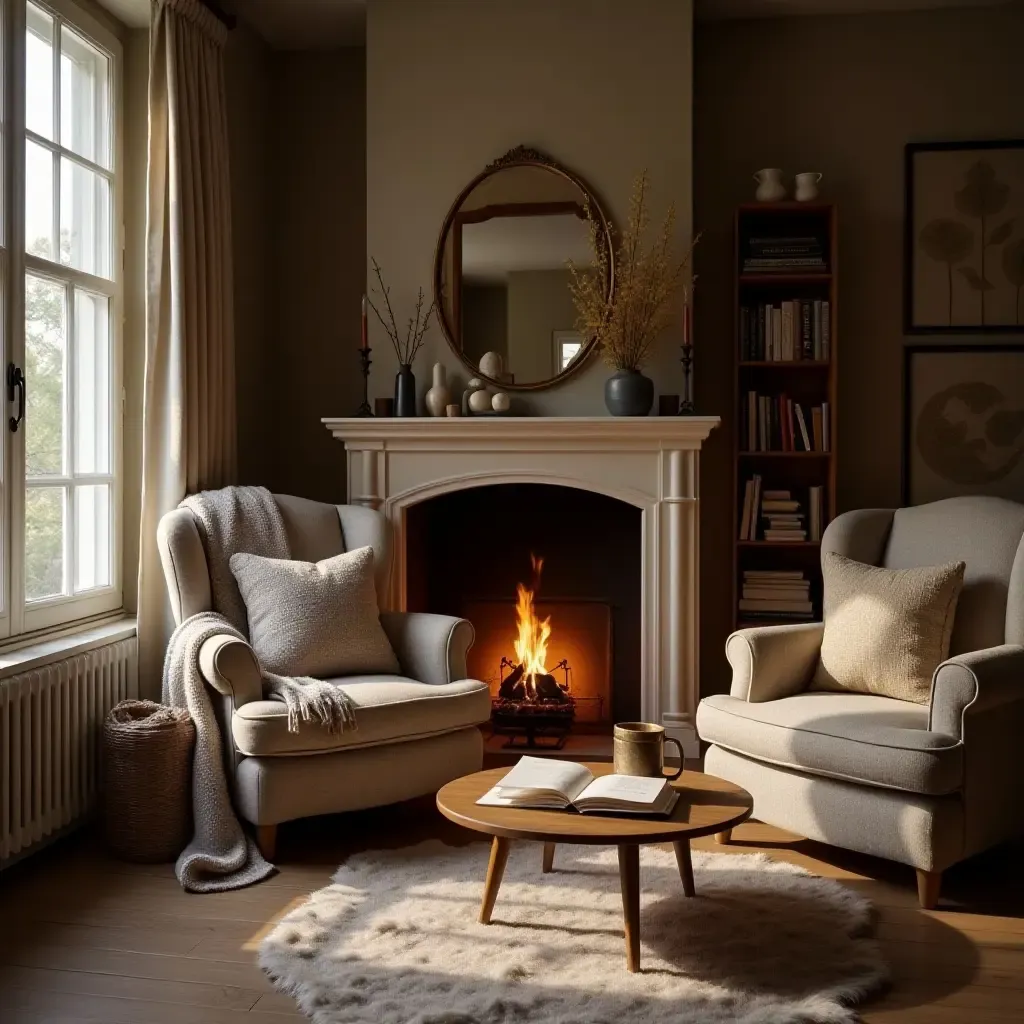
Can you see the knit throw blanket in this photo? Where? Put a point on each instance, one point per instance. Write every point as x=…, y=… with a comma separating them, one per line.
x=221, y=856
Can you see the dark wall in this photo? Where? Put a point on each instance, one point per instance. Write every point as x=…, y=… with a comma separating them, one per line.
x=475, y=545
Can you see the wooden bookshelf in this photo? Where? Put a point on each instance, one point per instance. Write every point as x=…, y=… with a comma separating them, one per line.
x=808, y=381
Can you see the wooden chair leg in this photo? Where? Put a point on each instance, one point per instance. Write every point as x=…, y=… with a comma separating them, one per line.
x=928, y=885
x=723, y=838
x=549, y=858
x=266, y=840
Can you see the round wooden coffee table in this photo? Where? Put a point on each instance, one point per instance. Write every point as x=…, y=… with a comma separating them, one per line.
x=706, y=804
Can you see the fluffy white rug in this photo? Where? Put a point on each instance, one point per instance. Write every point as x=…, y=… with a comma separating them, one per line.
x=395, y=940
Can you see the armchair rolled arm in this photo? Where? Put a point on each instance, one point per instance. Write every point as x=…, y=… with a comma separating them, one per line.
x=974, y=683
x=770, y=662
x=230, y=667
x=430, y=648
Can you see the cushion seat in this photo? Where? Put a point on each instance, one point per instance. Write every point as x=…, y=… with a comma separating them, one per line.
x=389, y=709
x=859, y=738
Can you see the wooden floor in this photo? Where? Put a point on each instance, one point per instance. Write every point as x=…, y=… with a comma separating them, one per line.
x=83, y=937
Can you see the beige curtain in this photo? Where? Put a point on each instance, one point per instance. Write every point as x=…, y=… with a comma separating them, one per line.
x=189, y=430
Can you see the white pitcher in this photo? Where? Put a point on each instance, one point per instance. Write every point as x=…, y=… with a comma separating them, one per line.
x=769, y=185
x=807, y=186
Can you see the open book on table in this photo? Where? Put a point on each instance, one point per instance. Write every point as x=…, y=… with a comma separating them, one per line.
x=558, y=785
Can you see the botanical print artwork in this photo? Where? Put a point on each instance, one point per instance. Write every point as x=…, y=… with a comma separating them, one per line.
x=966, y=419
x=966, y=237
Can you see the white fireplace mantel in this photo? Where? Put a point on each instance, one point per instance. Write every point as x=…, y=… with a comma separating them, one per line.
x=651, y=462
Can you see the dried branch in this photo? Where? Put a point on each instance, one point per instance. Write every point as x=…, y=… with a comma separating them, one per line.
x=407, y=348
x=628, y=323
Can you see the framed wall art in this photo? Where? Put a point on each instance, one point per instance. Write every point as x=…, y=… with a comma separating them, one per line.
x=963, y=421
x=964, y=237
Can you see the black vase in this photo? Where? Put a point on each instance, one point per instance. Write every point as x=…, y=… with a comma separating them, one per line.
x=629, y=393
x=405, y=391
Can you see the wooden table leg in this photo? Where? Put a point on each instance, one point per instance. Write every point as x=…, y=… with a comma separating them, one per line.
x=549, y=858
x=682, y=848
x=495, y=869
x=629, y=878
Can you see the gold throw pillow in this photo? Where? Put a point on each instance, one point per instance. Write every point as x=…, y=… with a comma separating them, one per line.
x=886, y=630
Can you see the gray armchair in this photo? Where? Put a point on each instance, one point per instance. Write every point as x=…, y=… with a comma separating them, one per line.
x=926, y=785
x=416, y=731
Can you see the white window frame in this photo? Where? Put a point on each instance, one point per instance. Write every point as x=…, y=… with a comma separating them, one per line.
x=20, y=618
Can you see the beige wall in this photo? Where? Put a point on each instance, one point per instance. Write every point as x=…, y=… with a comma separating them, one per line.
x=840, y=95
x=603, y=86
x=298, y=168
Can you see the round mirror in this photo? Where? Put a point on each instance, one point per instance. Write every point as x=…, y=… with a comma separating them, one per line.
x=501, y=272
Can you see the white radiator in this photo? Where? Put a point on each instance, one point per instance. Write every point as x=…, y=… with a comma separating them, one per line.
x=50, y=742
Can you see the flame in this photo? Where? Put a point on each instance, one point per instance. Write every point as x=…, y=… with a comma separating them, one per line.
x=531, y=644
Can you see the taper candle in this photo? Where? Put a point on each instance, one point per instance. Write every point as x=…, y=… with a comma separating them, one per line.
x=365, y=341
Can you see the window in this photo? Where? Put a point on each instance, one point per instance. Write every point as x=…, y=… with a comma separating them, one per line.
x=61, y=278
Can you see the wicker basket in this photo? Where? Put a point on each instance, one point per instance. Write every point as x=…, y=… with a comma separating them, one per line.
x=147, y=760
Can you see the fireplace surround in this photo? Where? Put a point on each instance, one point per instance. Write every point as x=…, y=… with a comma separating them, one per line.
x=651, y=463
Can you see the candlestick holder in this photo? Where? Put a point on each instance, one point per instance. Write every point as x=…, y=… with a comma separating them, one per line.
x=686, y=403
x=364, y=358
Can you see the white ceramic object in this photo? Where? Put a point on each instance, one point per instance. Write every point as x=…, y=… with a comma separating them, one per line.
x=769, y=185
x=500, y=402
x=492, y=365
x=807, y=186
x=474, y=384
x=480, y=401
x=438, y=396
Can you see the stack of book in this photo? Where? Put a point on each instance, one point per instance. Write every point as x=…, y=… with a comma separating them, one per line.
x=796, y=329
x=777, y=594
x=802, y=254
x=782, y=517
x=775, y=423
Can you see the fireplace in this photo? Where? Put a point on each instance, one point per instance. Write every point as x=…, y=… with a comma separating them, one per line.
x=647, y=465
x=550, y=577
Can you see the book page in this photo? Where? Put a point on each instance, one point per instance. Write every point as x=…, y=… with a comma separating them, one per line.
x=634, y=789
x=542, y=773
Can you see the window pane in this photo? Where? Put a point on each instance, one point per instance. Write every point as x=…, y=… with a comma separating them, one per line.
x=39, y=72
x=84, y=219
x=92, y=537
x=84, y=98
x=39, y=201
x=44, y=542
x=92, y=383
x=45, y=351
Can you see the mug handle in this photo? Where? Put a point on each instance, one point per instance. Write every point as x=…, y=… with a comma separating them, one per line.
x=817, y=177
x=682, y=758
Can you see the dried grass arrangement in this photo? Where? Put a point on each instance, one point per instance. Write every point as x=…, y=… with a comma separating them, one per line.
x=627, y=323
x=406, y=347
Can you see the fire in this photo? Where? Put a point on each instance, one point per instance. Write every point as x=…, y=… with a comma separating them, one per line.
x=531, y=645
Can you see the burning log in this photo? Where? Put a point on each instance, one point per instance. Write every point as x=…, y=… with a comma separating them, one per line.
x=547, y=688
x=513, y=687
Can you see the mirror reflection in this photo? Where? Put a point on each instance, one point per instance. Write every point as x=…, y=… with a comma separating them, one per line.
x=503, y=274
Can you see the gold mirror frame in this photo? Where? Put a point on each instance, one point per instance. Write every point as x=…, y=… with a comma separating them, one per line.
x=520, y=156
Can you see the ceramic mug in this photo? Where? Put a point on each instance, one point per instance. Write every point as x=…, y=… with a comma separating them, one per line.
x=639, y=749
x=806, y=186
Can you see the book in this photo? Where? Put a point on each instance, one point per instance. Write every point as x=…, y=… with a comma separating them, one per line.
x=802, y=423
x=748, y=506
x=777, y=495
x=817, y=429
x=776, y=605
x=547, y=784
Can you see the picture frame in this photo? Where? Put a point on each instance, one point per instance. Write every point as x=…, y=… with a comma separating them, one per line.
x=963, y=421
x=963, y=249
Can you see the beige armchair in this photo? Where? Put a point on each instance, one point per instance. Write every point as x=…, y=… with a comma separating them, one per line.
x=416, y=731
x=926, y=785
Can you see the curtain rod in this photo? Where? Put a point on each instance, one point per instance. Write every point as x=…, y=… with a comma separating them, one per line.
x=228, y=20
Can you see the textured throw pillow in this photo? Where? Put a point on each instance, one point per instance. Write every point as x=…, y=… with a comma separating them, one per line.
x=886, y=630
x=319, y=619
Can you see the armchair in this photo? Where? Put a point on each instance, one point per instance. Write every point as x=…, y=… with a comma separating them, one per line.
x=925, y=785
x=416, y=731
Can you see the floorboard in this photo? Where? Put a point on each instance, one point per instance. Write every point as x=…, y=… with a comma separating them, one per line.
x=86, y=938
